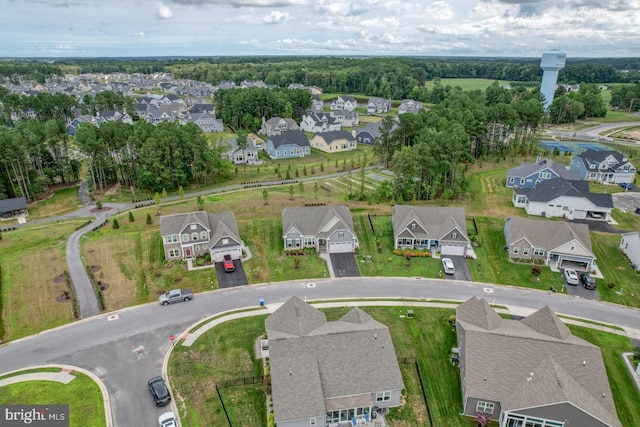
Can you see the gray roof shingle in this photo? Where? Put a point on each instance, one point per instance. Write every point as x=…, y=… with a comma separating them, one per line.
x=294, y=137
x=437, y=221
x=314, y=220
x=14, y=204
x=548, y=234
x=528, y=169
x=549, y=190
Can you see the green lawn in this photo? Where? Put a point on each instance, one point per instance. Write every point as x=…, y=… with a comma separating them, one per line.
x=466, y=84
x=63, y=201
x=616, y=270
x=82, y=394
x=226, y=352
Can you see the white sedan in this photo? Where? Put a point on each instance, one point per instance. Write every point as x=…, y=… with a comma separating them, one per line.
x=448, y=266
x=168, y=419
x=571, y=276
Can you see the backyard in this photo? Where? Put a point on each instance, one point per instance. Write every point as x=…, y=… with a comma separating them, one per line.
x=226, y=352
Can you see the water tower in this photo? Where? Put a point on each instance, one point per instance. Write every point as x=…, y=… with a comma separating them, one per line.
x=552, y=62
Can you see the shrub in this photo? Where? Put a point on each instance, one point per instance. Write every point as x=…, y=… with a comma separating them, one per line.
x=536, y=270
x=99, y=204
x=131, y=218
x=149, y=220
x=408, y=253
x=115, y=224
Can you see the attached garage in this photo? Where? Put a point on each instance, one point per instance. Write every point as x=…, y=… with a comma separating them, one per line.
x=340, y=247
x=217, y=254
x=452, y=249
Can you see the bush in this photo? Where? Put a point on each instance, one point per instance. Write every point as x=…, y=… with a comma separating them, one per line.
x=149, y=220
x=131, y=218
x=408, y=253
x=115, y=224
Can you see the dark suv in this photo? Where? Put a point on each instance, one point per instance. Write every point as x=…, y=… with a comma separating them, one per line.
x=159, y=391
x=587, y=281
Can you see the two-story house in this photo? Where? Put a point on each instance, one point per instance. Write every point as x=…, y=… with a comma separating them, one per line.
x=409, y=106
x=528, y=175
x=277, y=126
x=319, y=122
x=345, y=102
x=606, y=167
x=378, y=105
x=326, y=228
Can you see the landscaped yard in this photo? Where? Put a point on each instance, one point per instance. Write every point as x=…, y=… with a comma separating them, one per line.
x=82, y=394
x=63, y=201
x=226, y=352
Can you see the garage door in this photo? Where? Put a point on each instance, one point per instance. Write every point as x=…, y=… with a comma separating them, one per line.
x=452, y=250
x=338, y=247
x=236, y=253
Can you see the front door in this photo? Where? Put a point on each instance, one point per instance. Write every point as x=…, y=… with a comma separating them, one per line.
x=187, y=252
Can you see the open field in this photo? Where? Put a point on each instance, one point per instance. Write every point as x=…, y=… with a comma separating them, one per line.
x=82, y=394
x=466, y=84
x=63, y=201
x=223, y=354
x=616, y=270
x=33, y=261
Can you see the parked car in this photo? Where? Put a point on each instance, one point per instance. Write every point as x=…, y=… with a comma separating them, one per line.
x=626, y=185
x=159, y=391
x=587, y=281
x=168, y=419
x=448, y=266
x=227, y=263
x=175, y=295
x=597, y=215
x=571, y=277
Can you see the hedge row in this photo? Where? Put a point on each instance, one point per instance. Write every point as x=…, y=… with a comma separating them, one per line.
x=72, y=292
x=412, y=253
x=96, y=287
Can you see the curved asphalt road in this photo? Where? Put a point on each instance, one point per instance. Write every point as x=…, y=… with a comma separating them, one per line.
x=126, y=351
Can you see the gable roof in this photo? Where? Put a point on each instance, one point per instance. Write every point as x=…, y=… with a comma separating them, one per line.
x=546, y=191
x=548, y=234
x=528, y=169
x=593, y=156
x=437, y=221
x=477, y=311
x=290, y=137
x=220, y=224
x=319, y=221
x=14, y=204
x=335, y=135
x=330, y=367
x=174, y=224
x=499, y=363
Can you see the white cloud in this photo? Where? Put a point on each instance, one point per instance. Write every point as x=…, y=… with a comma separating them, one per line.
x=164, y=12
x=276, y=17
x=138, y=34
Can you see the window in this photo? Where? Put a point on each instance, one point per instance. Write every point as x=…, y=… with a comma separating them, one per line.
x=174, y=253
x=516, y=250
x=193, y=226
x=486, y=407
x=538, y=251
x=341, y=234
x=522, y=199
x=512, y=180
x=454, y=235
x=383, y=396
x=521, y=180
x=203, y=235
x=171, y=238
x=572, y=248
x=525, y=251
x=194, y=236
x=312, y=421
x=413, y=226
x=545, y=175
x=185, y=238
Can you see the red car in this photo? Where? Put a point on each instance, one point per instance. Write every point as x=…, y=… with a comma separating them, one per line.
x=227, y=263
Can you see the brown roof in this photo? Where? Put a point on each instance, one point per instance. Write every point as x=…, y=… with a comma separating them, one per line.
x=497, y=362
x=547, y=233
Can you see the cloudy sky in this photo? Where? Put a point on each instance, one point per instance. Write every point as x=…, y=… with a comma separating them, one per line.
x=89, y=28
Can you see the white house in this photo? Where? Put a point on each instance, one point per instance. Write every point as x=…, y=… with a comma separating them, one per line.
x=630, y=245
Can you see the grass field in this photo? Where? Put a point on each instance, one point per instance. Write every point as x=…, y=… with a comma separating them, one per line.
x=82, y=394
x=466, y=84
x=226, y=352
x=33, y=260
x=616, y=270
x=63, y=201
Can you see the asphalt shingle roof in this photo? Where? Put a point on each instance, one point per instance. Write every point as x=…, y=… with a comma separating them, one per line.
x=528, y=169
x=549, y=190
x=294, y=137
x=437, y=221
x=548, y=234
x=313, y=220
x=14, y=204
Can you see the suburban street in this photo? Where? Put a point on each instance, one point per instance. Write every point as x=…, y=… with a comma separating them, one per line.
x=126, y=348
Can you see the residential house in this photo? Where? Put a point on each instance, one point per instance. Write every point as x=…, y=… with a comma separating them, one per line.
x=561, y=198
x=293, y=143
x=559, y=244
x=16, y=206
x=330, y=373
x=378, y=105
x=317, y=104
x=296, y=86
x=277, y=126
x=630, y=246
x=326, y=228
x=530, y=372
x=248, y=155
x=159, y=114
x=370, y=133
x=347, y=103
x=346, y=118
x=409, y=106
x=606, y=167
x=436, y=229
x=315, y=90
x=334, y=141
x=202, y=108
x=115, y=116
x=206, y=121
x=319, y=122
x=199, y=233
x=528, y=175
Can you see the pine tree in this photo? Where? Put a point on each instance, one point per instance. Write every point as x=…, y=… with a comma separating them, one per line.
x=149, y=220
x=115, y=224
x=131, y=218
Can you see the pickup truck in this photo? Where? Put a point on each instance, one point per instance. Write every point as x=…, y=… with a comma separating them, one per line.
x=176, y=295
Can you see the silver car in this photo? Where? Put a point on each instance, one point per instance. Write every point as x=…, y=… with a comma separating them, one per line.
x=571, y=276
x=447, y=265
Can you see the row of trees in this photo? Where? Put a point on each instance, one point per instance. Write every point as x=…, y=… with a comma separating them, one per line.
x=626, y=97
x=571, y=106
x=159, y=157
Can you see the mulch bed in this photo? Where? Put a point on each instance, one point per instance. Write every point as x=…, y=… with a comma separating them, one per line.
x=95, y=268
x=59, y=279
x=63, y=298
x=102, y=209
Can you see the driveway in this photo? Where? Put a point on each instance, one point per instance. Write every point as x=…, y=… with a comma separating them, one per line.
x=580, y=291
x=597, y=225
x=344, y=265
x=462, y=269
x=626, y=201
x=234, y=278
